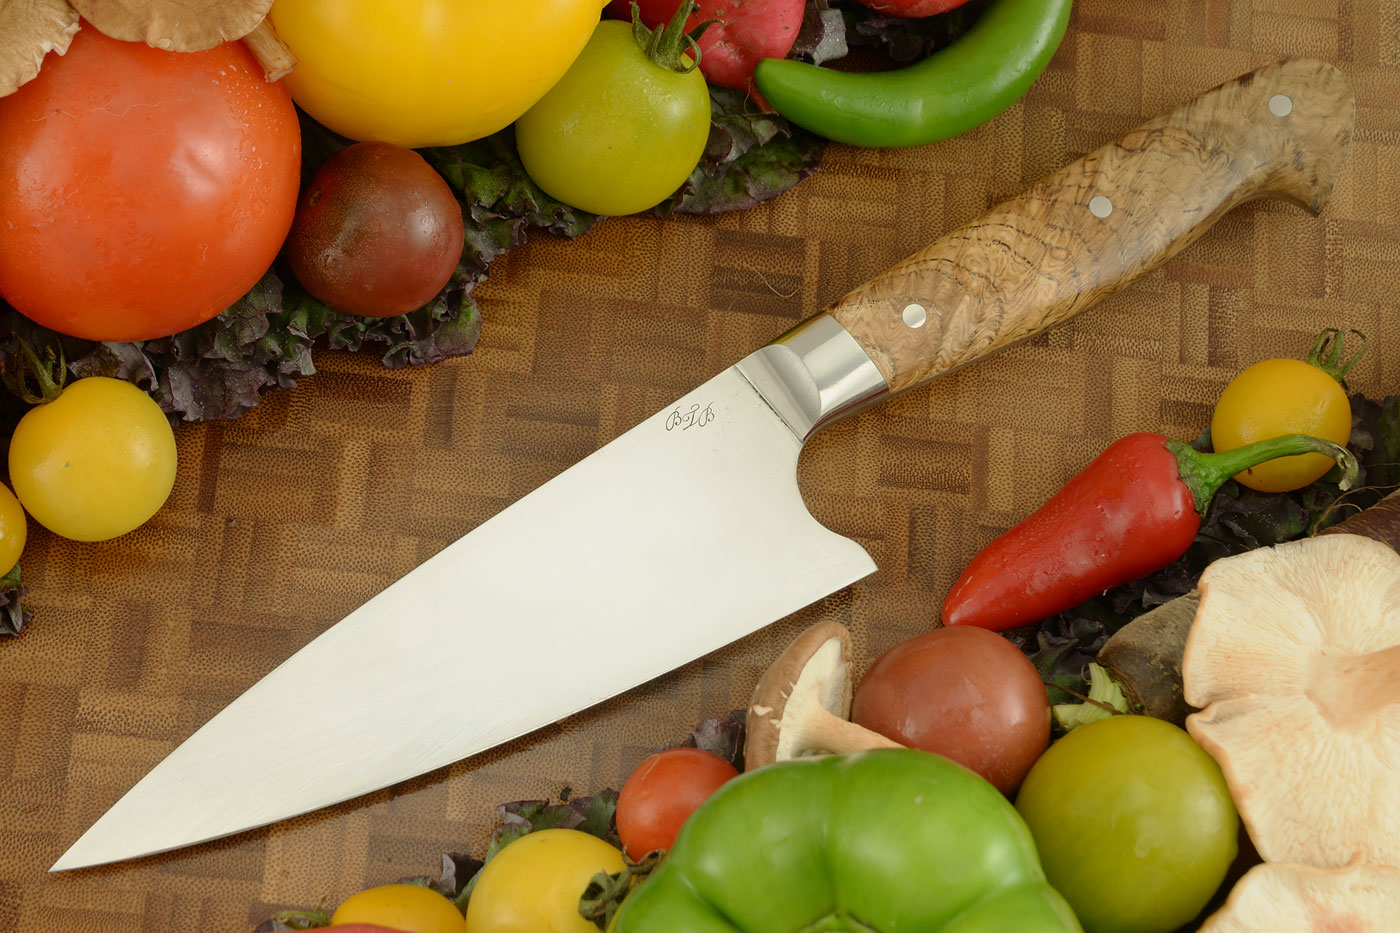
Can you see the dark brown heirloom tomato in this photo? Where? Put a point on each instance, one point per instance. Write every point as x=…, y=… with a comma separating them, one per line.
x=965, y=693
x=377, y=232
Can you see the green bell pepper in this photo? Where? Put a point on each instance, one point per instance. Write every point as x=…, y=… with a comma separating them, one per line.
x=886, y=841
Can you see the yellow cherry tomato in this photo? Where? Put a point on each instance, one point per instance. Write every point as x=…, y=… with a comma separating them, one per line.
x=533, y=885
x=1276, y=397
x=410, y=908
x=13, y=530
x=94, y=463
x=428, y=72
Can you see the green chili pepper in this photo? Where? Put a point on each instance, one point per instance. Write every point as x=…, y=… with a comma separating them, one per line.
x=961, y=86
x=893, y=839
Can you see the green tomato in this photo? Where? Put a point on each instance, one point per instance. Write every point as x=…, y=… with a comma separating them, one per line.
x=618, y=133
x=94, y=463
x=1133, y=822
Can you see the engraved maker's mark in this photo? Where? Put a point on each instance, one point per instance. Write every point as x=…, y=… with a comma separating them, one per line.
x=692, y=417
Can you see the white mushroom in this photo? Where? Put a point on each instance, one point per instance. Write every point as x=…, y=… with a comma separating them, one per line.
x=802, y=703
x=1285, y=897
x=1294, y=662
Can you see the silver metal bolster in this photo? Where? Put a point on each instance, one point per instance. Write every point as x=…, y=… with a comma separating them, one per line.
x=814, y=374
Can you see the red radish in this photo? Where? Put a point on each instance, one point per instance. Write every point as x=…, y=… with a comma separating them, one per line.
x=745, y=32
x=912, y=9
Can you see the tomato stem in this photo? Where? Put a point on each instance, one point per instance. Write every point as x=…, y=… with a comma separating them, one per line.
x=1204, y=473
x=606, y=892
x=669, y=45
x=48, y=374
x=1326, y=353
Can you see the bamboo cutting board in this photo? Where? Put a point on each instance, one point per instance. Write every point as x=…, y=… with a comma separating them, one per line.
x=285, y=520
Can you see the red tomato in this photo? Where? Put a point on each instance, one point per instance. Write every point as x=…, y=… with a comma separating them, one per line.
x=662, y=792
x=965, y=693
x=142, y=191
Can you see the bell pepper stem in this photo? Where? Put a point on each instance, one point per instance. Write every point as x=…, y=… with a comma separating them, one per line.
x=1204, y=473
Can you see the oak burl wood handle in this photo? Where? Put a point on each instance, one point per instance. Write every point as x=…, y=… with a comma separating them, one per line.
x=1121, y=211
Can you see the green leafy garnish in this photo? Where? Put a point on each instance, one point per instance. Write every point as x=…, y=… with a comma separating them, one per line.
x=13, y=616
x=1105, y=699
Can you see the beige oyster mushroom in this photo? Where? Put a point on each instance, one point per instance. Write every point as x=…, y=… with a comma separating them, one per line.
x=174, y=25
x=802, y=703
x=1294, y=662
x=1285, y=897
x=29, y=30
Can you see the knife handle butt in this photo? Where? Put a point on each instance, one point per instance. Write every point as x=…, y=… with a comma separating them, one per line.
x=1121, y=211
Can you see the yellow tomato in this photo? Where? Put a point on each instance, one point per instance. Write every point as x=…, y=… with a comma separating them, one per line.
x=13, y=530
x=94, y=463
x=1278, y=397
x=428, y=72
x=533, y=885
x=410, y=908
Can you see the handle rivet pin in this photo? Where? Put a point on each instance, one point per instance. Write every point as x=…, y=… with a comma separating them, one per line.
x=1280, y=105
x=1100, y=206
x=914, y=315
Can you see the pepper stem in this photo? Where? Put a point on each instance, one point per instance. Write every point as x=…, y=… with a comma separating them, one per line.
x=1204, y=473
x=1326, y=353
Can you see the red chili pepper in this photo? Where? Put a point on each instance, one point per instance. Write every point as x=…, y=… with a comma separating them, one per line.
x=1131, y=512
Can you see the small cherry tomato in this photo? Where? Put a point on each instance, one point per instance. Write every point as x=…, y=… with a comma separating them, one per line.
x=962, y=692
x=13, y=530
x=377, y=232
x=662, y=792
x=534, y=884
x=1134, y=823
x=1285, y=396
x=142, y=191
x=94, y=463
x=411, y=908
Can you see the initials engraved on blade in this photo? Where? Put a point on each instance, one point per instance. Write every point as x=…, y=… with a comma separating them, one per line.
x=692, y=417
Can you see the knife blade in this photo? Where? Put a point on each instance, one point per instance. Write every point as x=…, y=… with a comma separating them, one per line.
x=689, y=531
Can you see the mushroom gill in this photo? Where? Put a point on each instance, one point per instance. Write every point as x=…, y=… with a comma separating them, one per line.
x=1294, y=660
x=1284, y=897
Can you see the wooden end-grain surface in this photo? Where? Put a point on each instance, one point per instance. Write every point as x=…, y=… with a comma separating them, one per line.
x=285, y=520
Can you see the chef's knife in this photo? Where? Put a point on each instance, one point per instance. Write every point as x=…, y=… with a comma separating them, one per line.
x=688, y=531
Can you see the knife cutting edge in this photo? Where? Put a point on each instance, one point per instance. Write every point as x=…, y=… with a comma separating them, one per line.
x=689, y=531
